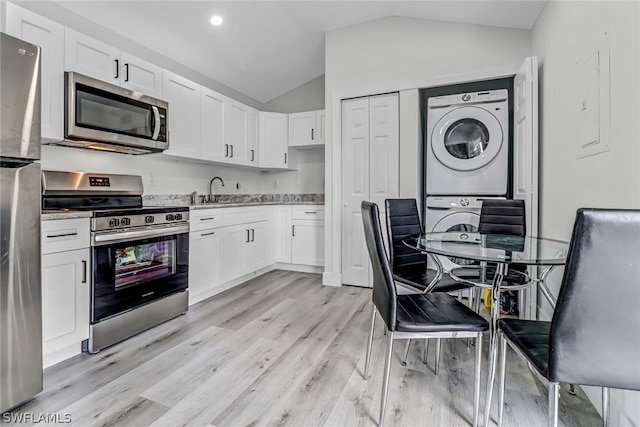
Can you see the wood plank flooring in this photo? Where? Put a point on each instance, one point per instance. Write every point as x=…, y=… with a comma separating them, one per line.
x=281, y=350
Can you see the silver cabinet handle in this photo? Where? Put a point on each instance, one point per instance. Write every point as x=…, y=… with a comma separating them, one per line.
x=226, y=150
x=285, y=158
x=55, y=236
x=126, y=74
x=207, y=219
x=117, y=68
x=310, y=212
x=248, y=236
x=252, y=156
x=312, y=134
x=253, y=235
x=84, y=271
x=293, y=230
x=207, y=234
x=231, y=150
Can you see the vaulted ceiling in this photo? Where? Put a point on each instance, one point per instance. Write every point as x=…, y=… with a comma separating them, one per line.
x=266, y=48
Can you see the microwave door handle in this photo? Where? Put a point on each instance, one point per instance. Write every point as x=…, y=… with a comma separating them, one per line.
x=156, y=127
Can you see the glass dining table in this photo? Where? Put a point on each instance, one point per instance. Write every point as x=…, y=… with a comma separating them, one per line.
x=503, y=251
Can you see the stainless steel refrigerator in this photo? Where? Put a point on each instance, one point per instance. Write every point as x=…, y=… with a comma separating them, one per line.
x=20, y=195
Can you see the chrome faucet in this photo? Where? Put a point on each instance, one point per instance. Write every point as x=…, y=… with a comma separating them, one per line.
x=211, y=197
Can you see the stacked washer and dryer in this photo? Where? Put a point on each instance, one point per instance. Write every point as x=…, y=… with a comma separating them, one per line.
x=467, y=159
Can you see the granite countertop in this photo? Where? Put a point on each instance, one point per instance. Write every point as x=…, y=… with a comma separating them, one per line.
x=64, y=214
x=234, y=200
x=247, y=204
x=222, y=201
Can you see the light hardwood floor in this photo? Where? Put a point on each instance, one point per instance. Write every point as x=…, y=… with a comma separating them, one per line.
x=280, y=350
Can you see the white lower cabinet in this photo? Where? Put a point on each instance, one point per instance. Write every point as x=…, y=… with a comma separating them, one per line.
x=256, y=248
x=66, y=288
x=233, y=240
x=244, y=249
x=224, y=245
x=204, y=265
x=282, y=234
x=307, y=242
x=300, y=234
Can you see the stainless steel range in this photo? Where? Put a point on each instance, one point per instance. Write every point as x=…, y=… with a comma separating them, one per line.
x=139, y=255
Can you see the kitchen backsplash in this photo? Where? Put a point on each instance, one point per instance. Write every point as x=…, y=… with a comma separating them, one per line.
x=185, y=199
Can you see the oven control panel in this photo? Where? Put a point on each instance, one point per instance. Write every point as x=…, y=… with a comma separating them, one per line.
x=137, y=220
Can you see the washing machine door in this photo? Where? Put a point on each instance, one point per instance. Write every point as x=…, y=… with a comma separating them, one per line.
x=467, y=138
x=457, y=222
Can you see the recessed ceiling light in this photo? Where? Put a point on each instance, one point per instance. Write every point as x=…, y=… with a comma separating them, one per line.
x=216, y=20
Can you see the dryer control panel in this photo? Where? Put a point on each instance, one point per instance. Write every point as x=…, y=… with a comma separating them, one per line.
x=468, y=98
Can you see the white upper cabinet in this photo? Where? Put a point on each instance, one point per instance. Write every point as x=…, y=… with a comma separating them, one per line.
x=235, y=131
x=212, y=125
x=184, y=101
x=273, y=140
x=49, y=35
x=306, y=129
x=140, y=76
x=93, y=58
x=252, y=157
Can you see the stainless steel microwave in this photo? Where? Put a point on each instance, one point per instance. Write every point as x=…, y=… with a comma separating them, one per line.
x=102, y=116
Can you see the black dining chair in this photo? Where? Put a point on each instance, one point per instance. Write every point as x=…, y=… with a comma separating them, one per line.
x=410, y=268
x=498, y=216
x=593, y=336
x=420, y=316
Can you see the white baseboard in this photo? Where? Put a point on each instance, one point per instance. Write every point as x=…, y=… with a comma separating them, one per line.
x=332, y=279
x=301, y=268
x=58, y=356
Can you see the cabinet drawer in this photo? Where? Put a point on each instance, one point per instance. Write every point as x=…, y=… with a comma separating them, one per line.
x=64, y=235
x=308, y=212
x=237, y=216
x=203, y=219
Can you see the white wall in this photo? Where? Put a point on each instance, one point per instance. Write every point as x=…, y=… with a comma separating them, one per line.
x=306, y=97
x=564, y=32
x=393, y=54
x=167, y=175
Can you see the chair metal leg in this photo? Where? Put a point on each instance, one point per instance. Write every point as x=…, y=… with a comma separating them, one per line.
x=406, y=353
x=385, y=381
x=605, y=406
x=476, y=381
x=368, y=357
x=438, y=344
x=503, y=377
x=572, y=390
x=554, y=390
x=501, y=271
x=477, y=299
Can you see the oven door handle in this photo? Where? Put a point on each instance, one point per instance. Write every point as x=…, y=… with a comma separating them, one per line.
x=101, y=239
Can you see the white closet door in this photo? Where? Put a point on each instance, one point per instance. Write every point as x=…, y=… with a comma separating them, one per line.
x=526, y=140
x=525, y=177
x=384, y=153
x=355, y=188
x=370, y=171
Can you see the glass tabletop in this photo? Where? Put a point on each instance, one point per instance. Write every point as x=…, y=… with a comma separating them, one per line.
x=501, y=248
